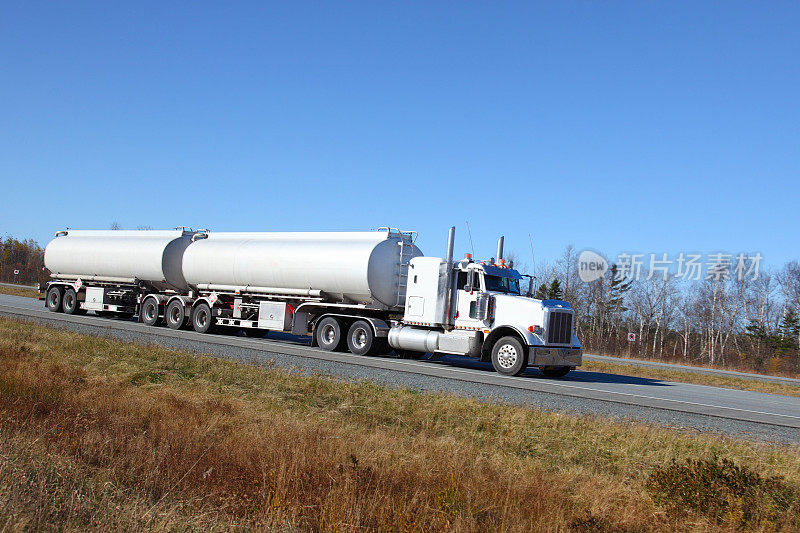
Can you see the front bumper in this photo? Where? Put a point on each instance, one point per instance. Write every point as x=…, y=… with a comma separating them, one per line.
x=551, y=356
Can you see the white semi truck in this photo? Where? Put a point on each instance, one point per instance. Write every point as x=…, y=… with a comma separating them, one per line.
x=365, y=292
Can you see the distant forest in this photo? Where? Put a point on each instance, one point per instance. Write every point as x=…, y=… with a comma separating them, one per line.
x=26, y=256
x=741, y=324
x=747, y=324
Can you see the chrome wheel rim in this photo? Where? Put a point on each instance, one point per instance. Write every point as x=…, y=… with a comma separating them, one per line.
x=174, y=315
x=360, y=338
x=328, y=333
x=507, y=356
x=149, y=311
x=202, y=318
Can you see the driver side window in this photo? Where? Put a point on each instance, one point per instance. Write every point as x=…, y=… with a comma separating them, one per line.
x=463, y=277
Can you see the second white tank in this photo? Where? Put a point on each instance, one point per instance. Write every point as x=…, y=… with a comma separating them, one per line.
x=356, y=266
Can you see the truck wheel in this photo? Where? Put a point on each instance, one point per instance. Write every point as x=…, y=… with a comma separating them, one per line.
x=148, y=312
x=70, y=303
x=54, y=296
x=509, y=357
x=175, y=314
x=555, y=371
x=329, y=334
x=202, y=318
x=361, y=339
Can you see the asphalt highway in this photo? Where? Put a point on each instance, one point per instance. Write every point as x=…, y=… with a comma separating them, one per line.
x=693, y=407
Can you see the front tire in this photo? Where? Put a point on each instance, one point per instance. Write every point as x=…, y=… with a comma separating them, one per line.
x=54, y=296
x=149, y=311
x=329, y=334
x=175, y=314
x=202, y=318
x=509, y=357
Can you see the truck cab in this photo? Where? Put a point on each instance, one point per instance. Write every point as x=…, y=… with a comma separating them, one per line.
x=478, y=309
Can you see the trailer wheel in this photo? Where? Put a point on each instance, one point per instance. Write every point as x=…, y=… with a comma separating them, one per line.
x=509, y=357
x=54, y=297
x=175, y=314
x=70, y=303
x=329, y=334
x=202, y=318
x=149, y=311
x=555, y=371
x=361, y=339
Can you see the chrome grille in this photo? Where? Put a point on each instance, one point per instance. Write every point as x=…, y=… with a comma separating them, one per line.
x=559, y=328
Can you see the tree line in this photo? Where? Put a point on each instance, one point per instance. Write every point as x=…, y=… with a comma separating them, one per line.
x=735, y=322
x=26, y=257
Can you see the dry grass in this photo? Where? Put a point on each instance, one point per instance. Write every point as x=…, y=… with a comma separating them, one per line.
x=771, y=370
x=18, y=291
x=100, y=434
x=691, y=377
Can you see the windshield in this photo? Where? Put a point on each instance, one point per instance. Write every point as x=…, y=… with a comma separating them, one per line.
x=500, y=284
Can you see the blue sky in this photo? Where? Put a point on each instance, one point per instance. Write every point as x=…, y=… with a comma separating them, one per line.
x=640, y=126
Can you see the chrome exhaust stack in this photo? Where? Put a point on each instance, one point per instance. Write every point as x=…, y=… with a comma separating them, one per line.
x=451, y=243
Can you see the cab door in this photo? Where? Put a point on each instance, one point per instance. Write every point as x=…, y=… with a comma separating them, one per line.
x=468, y=288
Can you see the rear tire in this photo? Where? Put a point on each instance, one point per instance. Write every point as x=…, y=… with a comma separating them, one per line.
x=148, y=311
x=361, y=338
x=509, y=357
x=555, y=371
x=175, y=314
x=328, y=333
x=54, y=296
x=70, y=303
x=202, y=318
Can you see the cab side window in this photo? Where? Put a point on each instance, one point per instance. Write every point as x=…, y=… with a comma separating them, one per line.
x=462, y=280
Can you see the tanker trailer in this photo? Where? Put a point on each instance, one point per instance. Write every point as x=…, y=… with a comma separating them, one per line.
x=107, y=271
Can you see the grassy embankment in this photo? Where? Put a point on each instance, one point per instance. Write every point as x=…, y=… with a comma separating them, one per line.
x=19, y=291
x=690, y=377
x=96, y=433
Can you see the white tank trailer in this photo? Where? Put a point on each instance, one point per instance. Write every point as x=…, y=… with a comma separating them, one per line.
x=363, y=292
